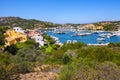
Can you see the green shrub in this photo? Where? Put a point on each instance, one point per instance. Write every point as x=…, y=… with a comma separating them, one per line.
x=4, y=74
x=28, y=53
x=100, y=54
x=82, y=71
x=67, y=72
x=5, y=58
x=12, y=49
x=66, y=59
x=25, y=67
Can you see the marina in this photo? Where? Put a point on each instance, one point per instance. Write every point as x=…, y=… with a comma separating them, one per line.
x=85, y=36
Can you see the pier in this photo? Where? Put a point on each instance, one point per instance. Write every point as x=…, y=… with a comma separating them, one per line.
x=99, y=44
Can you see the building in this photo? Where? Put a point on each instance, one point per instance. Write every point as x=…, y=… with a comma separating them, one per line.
x=39, y=39
x=31, y=34
x=18, y=29
x=37, y=36
x=13, y=37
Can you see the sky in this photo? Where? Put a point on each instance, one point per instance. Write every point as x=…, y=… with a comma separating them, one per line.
x=62, y=11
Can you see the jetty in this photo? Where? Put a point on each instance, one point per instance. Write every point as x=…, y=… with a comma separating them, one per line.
x=105, y=44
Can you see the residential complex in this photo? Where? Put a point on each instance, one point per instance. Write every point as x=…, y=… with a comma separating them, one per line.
x=13, y=36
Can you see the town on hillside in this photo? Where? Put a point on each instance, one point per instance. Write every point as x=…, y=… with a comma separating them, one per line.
x=35, y=31
x=17, y=34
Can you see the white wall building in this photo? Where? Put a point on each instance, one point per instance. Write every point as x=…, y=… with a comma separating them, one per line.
x=18, y=29
x=39, y=39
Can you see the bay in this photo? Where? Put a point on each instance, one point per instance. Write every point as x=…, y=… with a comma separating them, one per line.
x=88, y=39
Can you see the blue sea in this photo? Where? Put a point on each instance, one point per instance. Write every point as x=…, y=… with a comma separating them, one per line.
x=88, y=39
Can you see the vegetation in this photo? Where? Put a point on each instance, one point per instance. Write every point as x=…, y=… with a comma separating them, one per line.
x=110, y=27
x=82, y=71
x=2, y=31
x=92, y=63
x=24, y=23
x=78, y=60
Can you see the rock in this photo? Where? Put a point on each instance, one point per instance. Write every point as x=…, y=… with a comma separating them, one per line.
x=39, y=76
x=43, y=72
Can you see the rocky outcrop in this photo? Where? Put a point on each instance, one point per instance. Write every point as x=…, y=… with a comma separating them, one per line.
x=38, y=76
x=43, y=72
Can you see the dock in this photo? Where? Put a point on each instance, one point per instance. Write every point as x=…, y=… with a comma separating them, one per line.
x=99, y=44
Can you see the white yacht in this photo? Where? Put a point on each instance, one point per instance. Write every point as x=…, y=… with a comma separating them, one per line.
x=106, y=35
x=100, y=39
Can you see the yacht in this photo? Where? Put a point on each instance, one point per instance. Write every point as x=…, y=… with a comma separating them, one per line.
x=100, y=39
x=106, y=35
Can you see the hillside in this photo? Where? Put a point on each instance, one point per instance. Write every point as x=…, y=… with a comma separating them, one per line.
x=24, y=23
x=33, y=23
x=109, y=25
x=103, y=25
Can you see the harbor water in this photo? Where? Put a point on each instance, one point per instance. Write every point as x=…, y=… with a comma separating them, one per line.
x=88, y=39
